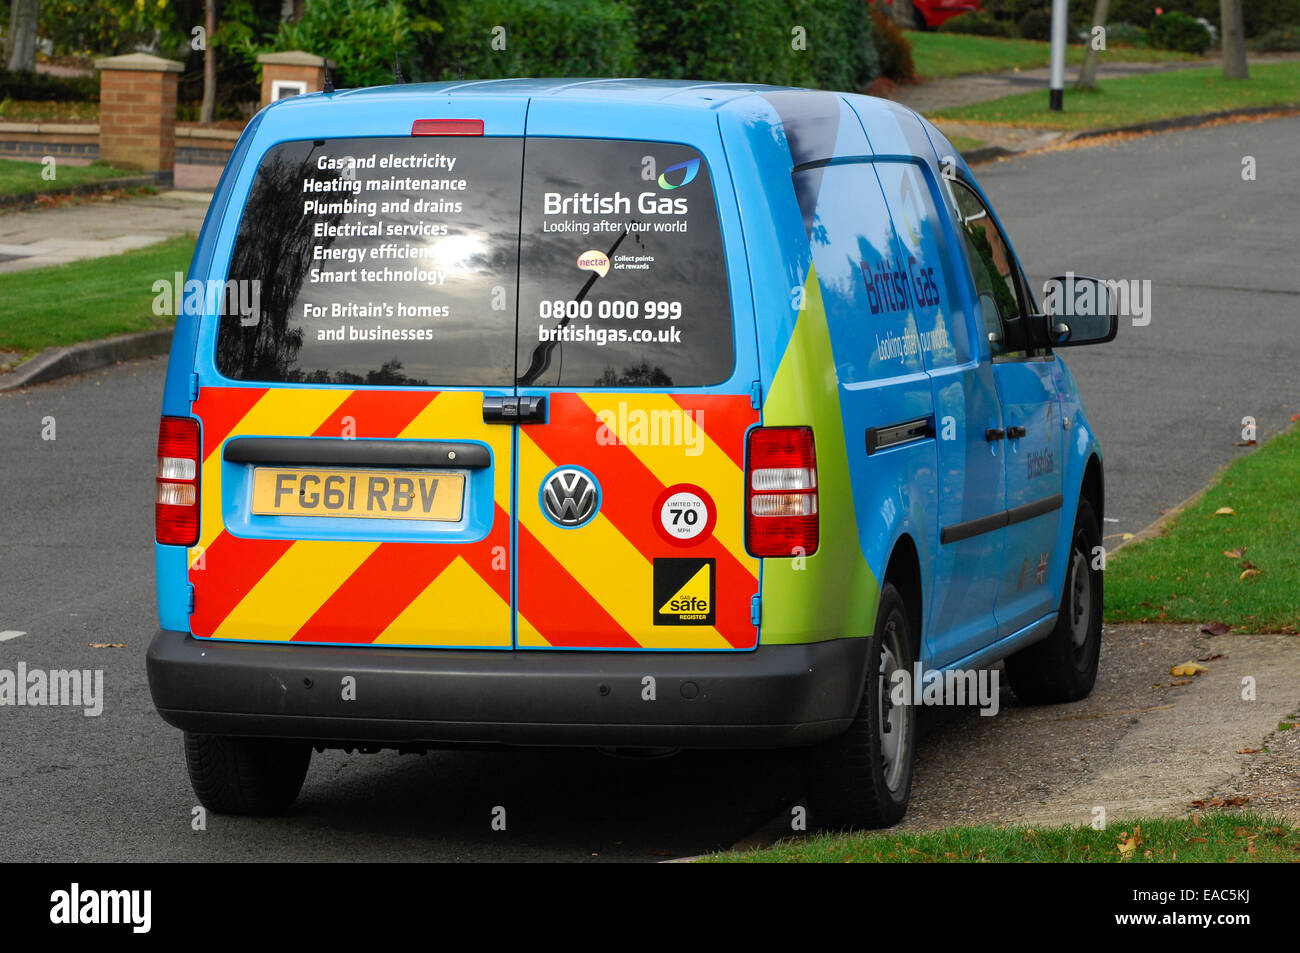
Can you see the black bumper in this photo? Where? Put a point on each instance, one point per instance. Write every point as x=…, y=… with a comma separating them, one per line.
x=776, y=696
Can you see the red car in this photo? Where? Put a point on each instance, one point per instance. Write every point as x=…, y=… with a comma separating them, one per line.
x=929, y=14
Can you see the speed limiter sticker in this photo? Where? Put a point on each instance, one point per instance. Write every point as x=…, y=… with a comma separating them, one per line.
x=685, y=515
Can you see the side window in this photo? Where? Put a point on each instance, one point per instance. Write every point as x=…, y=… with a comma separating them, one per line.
x=996, y=276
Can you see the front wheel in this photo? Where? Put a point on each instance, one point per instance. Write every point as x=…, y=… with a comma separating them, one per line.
x=863, y=778
x=1063, y=667
x=246, y=775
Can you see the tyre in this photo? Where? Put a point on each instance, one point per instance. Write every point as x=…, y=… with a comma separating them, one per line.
x=863, y=778
x=246, y=775
x=1063, y=667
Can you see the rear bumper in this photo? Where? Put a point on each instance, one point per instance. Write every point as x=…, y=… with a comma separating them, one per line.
x=775, y=696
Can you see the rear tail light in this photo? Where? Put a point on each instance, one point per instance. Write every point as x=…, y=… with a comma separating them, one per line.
x=781, y=492
x=176, y=502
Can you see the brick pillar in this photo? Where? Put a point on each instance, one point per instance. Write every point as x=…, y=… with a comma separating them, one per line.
x=137, y=113
x=294, y=66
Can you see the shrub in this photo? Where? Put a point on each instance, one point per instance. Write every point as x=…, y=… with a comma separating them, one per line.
x=541, y=38
x=1258, y=18
x=1280, y=40
x=978, y=24
x=22, y=85
x=752, y=41
x=894, y=49
x=360, y=36
x=1125, y=34
x=1178, y=31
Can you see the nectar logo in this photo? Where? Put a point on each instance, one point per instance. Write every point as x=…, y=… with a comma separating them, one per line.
x=594, y=260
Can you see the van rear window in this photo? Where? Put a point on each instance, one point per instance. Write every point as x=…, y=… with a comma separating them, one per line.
x=400, y=261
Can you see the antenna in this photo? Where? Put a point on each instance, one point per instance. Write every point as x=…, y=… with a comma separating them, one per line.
x=329, y=79
x=397, y=70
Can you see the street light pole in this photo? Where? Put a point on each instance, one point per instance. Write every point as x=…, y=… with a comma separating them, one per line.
x=1056, y=99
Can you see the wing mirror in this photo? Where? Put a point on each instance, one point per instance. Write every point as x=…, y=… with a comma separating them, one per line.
x=1079, y=310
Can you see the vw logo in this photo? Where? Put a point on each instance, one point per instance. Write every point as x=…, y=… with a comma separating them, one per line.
x=570, y=496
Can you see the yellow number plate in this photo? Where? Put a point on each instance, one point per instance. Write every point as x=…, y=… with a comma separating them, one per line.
x=370, y=494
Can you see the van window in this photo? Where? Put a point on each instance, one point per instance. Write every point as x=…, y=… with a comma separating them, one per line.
x=865, y=285
x=944, y=336
x=994, y=269
x=623, y=276
x=387, y=261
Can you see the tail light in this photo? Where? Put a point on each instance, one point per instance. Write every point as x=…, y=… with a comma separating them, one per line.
x=176, y=505
x=781, y=492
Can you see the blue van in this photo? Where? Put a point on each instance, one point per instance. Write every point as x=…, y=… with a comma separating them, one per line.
x=612, y=413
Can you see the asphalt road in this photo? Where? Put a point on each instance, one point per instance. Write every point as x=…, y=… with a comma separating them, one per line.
x=76, y=555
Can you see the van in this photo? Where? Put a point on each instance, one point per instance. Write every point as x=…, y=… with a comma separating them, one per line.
x=612, y=413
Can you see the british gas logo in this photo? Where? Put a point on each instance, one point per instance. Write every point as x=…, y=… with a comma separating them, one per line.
x=691, y=167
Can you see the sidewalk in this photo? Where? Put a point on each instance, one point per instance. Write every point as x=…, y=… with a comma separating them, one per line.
x=34, y=238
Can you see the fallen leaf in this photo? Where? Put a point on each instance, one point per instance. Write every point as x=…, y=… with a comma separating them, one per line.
x=1245, y=443
x=1210, y=657
x=1225, y=511
x=1126, y=536
x=1249, y=750
x=1216, y=628
x=107, y=645
x=1131, y=842
x=1188, y=668
x=1248, y=573
x=1235, y=553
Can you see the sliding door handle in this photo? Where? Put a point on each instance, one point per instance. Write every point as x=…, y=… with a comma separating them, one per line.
x=994, y=433
x=1015, y=433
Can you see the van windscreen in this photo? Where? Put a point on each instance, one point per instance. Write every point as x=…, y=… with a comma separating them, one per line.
x=406, y=261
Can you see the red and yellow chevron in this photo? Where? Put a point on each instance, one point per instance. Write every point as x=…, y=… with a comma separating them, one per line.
x=590, y=587
x=335, y=591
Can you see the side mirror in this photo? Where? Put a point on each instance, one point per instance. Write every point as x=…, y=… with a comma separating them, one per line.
x=1079, y=311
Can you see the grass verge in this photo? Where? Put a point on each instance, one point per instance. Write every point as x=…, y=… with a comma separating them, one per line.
x=87, y=300
x=1187, y=575
x=1136, y=99
x=19, y=177
x=942, y=55
x=1203, y=838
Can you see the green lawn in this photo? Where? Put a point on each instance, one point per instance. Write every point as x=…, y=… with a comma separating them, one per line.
x=1135, y=99
x=87, y=300
x=18, y=177
x=1211, y=838
x=965, y=143
x=1185, y=576
x=940, y=55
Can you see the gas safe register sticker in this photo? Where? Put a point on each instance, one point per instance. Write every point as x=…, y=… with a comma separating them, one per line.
x=684, y=591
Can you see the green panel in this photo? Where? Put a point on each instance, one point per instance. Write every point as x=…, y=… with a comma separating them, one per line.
x=833, y=593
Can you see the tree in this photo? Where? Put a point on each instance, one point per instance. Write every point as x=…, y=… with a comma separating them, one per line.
x=1234, y=40
x=20, y=42
x=1088, y=72
x=209, y=105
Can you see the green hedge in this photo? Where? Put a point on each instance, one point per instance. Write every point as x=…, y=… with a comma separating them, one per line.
x=1178, y=31
x=725, y=40
x=541, y=38
x=1258, y=17
x=42, y=86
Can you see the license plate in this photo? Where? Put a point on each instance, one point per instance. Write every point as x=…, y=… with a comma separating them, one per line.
x=369, y=494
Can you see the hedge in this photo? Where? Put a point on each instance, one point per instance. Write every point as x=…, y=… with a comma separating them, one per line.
x=47, y=88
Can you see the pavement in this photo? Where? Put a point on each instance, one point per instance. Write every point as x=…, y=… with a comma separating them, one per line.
x=35, y=238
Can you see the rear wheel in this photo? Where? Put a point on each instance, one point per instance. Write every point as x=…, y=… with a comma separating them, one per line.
x=1063, y=667
x=246, y=775
x=863, y=778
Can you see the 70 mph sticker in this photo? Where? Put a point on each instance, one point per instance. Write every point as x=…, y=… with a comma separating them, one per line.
x=684, y=514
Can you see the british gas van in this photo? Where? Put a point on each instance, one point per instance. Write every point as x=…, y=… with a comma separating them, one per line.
x=617, y=414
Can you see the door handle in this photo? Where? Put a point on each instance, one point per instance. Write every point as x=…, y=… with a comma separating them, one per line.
x=514, y=410
x=994, y=433
x=1015, y=433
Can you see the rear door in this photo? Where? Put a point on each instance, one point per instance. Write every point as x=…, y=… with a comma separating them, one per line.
x=631, y=469
x=351, y=491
